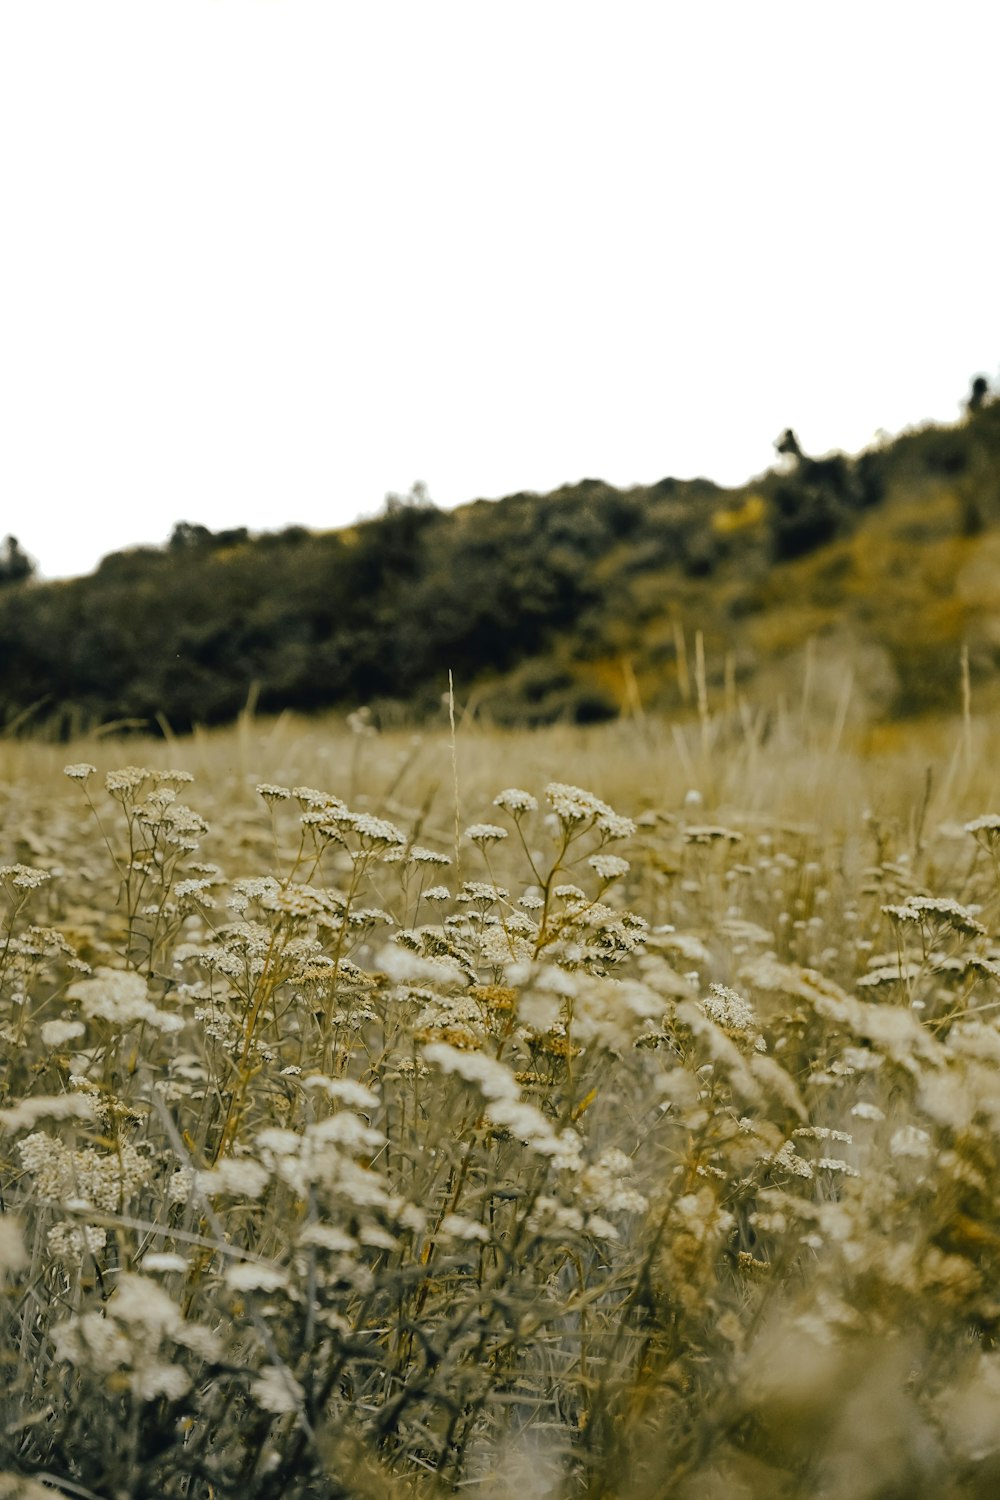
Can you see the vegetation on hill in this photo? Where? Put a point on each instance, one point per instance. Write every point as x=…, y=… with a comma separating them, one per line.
x=578, y=604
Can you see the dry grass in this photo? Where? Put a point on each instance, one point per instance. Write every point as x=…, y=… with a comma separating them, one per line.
x=651, y=1152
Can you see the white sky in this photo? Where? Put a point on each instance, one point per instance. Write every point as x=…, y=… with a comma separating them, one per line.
x=266, y=260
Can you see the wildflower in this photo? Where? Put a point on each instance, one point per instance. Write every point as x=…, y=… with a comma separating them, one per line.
x=376, y=832
x=490, y=1077
x=421, y=856
x=24, y=877
x=910, y=1141
x=609, y=866
x=917, y=909
x=308, y=796
x=614, y=826
x=454, y=1226
x=122, y=998
x=481, y=894
x=728, y=1009
x=183, y=890
x=572, y=804
x=485, y=833
x=240, y=1176
x=58, y=1033
x=272, y=793
x=437, y=893
x=569, y=893
x=277, y=1391
x=251, y=1276
x=165, y=1261
x=80, y=771
x=985, y=830
x=70, y=1242
x=344, y=1090
x=13, y=1255
x=328, y=1237
x=515, y=802
x=180, y=1185
x=710, y=833
x=26, y=1113
x=126, y=781
x=791, y=1161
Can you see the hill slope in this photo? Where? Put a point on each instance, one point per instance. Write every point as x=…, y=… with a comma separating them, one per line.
x=577, y=604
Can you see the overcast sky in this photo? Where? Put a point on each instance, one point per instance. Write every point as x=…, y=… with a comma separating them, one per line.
x=266, y=260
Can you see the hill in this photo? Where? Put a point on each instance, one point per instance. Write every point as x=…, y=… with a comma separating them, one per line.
x=579, y=604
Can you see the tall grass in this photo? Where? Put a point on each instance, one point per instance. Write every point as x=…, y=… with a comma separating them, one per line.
x=643, y=1141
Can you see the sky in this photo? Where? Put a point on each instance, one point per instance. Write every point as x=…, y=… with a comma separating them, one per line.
x=266, y=261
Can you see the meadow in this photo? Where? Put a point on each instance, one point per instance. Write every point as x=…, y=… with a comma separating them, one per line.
x=607, y=1112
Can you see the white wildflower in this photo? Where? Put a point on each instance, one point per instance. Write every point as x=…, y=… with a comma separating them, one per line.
x=910, y=1141
x=614, y=826
x=58, y=1033
x=164, y=1261
x=251, y=1276
x=241, y=1176
x=24, y=877
x=514, y=801
x=26, y=1113
x=13, y=1256
x=151, y=1381
x=422, y=856
x=728, y=1009
x=572, y=804
x=485, y=833
x=376, y=831
x=277, y=1391
x=272, y=793
x=121, y=997
x=454, y=1226
x=344, y=1090
x=491, y=1077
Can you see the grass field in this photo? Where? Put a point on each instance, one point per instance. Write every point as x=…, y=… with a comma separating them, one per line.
x=583, y=1113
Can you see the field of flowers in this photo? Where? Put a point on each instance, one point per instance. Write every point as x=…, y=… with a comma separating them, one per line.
x=578, y=1114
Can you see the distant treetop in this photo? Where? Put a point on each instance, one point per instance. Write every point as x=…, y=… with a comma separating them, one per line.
x=15, y=564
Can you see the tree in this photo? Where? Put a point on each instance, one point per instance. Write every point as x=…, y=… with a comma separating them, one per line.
x=15, y=564
x=978, y=394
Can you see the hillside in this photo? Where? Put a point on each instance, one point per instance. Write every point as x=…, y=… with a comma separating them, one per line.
x=576, y=605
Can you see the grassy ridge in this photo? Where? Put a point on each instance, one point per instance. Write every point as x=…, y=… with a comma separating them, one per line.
x=577, y=605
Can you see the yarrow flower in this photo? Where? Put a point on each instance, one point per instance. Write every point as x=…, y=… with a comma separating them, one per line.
x=572, y=804
x=24, y=877
x=272, y=793
x=609, y=866
x=614, y=826
x=516, y=802
x=80, y=771
x=985, y=830
x=376, y=830
x=421, y=856
x=127, y=780
x=728, y=1009
x=122, y=998
x=920, y=909
x=485, y=833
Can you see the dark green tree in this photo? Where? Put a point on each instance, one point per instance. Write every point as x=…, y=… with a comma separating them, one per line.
x=15, y=564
